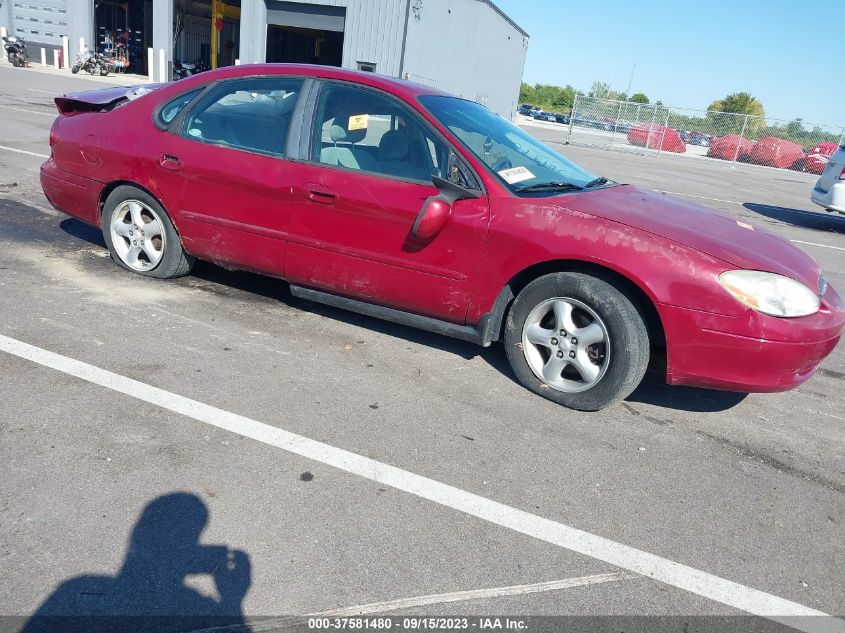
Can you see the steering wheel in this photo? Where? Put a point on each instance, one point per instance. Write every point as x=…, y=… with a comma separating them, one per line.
x=503, y=163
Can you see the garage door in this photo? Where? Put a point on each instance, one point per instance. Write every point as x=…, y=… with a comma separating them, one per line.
x=306, y=16
x=40, y=21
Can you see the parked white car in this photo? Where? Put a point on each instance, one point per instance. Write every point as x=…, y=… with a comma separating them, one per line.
x=829, y=191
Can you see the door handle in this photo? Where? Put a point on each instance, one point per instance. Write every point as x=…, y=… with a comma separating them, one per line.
x=320, y=194
x=171, y=162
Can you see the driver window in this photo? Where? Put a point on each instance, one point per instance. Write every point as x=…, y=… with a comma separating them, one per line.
x=248, y=114
x=363, y=130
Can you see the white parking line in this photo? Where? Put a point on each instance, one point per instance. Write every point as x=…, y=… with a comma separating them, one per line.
x=629, y=558
x=374, y=608
x=23, y=151
x=836, y=248
x=52, y=116
x=474, y=594
x=689, y=195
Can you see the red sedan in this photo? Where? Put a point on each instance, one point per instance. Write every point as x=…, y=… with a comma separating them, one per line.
x=402, y=202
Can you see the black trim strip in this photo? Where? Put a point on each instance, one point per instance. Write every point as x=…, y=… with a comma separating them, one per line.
x=477, y=334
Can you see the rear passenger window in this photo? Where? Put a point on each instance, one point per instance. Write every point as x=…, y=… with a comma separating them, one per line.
x=363, y=130
x=172, y=109
x=247, y=114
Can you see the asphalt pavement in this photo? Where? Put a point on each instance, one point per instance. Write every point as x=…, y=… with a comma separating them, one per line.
x=749, y=489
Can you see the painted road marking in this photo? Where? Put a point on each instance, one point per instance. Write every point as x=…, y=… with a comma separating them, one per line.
x=689, y=195
x=629, y=558
x=838, y=248
x=475, y=594
x=374, y=608
x=23, y=151
x=52, y=116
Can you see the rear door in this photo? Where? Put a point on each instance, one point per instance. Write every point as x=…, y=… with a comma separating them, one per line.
x=228, y=153
x=357, y=194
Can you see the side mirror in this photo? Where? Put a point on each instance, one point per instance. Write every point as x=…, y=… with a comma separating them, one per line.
x=436, y=210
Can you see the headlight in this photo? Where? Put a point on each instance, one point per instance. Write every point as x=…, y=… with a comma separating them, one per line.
x=770, y=293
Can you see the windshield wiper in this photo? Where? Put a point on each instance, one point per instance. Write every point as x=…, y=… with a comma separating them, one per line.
x=549, y=186
x=601, y=180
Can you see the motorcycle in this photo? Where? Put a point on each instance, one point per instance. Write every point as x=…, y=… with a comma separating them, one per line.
x=182, y=69
x=93, y=63
x=16, y=50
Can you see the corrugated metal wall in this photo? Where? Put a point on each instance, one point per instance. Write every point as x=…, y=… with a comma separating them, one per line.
x=372, y=32
x=197, y=31
x=468, y=48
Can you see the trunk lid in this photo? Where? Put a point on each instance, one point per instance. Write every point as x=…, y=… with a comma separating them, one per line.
x=102, y=100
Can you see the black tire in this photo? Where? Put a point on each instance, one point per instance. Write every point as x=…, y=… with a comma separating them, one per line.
x=629, y=345
x=75, y=69
x=174, y=262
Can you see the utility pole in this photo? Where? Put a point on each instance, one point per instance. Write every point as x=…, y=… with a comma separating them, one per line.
x=630, y=81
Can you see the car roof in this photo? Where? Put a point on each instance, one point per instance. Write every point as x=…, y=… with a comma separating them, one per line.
x=409, y=90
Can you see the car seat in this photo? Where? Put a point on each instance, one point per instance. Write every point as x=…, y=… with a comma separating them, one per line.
x=346, y=156
x=393, y=155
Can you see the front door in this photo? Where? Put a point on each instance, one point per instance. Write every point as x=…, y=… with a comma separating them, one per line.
x=354, y=205
x=235, y=184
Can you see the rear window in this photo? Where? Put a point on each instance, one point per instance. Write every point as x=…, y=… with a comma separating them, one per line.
x=172, y=108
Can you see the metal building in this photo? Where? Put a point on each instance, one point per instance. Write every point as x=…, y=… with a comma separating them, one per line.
x=468, y=47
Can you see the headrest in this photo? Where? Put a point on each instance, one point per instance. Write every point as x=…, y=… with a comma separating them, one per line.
x=393, y=146
x=340, y=132
x=285, y=102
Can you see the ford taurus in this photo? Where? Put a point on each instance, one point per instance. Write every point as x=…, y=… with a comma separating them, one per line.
x=406, y=203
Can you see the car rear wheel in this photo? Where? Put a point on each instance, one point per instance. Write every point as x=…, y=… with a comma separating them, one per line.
x=140, y=235
x=576, y=339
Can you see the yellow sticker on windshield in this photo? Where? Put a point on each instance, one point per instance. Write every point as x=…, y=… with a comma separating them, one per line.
x=357, y=122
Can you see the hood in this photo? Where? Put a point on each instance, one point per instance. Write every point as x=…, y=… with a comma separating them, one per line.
x=730, y=239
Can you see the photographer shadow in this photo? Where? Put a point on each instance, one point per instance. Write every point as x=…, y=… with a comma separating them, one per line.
x=150, y=593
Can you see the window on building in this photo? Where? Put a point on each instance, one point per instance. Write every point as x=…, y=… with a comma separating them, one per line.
x=247, y=114
x=367, y=67
x=364, y=130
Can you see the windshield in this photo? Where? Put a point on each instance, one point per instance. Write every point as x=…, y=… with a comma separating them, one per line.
x=521, y=162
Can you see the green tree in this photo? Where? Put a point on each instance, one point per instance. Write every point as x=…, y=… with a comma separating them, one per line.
x=599, y=89
x=737, y=103
x=638, y=97
x=526, y=92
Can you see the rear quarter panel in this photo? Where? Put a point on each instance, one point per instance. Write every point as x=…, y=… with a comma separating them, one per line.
x=120, y=145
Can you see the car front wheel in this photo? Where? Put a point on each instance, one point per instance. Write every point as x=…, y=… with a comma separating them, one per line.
x=576, y=339
x=140, y=235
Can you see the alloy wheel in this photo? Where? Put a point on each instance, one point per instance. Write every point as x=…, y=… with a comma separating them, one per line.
x=566, y=344
x=137, y=234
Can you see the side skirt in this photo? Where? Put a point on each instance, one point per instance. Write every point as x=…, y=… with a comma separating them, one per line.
x=479, y=334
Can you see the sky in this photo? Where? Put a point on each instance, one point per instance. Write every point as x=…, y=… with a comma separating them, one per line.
x=688, y=53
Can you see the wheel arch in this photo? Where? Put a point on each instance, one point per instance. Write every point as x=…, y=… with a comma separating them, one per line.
x=636, y=293
x=107, y=190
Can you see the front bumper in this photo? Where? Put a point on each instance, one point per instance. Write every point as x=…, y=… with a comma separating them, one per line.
x=752, y=352
x=833, y=199
x=71, y=194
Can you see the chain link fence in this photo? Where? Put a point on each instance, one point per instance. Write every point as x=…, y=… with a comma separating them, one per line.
x=655, y=129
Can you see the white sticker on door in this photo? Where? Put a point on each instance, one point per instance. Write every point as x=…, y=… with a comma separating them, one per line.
x=515, y=175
